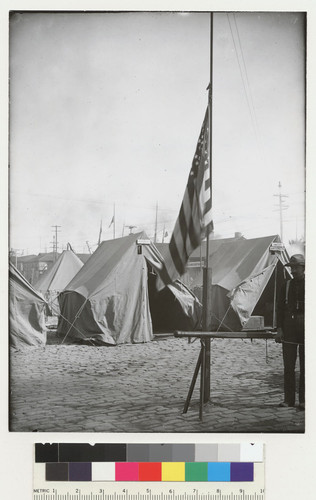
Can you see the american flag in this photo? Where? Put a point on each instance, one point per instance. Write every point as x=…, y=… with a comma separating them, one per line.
x=195, y=216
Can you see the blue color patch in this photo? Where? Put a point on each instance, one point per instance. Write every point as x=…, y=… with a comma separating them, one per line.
x=218, y=471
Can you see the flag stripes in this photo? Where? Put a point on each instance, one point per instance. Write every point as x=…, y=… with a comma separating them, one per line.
x=195, y=216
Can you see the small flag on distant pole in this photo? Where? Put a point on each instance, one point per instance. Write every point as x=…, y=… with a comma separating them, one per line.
x=195, y=219
x=112, y=221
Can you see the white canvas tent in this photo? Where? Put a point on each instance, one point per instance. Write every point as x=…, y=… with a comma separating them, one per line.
x=27, y=312
x=246, y=277
x=109, y=299
x=52, y=282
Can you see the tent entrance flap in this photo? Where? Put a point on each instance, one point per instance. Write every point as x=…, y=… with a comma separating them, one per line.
x=246, y=295
x=173, y=306
x=76, y=320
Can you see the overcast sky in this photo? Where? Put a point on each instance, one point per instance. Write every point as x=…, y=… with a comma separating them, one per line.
x=107, y=108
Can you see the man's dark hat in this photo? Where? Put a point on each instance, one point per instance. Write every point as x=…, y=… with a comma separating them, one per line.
x=296, y=260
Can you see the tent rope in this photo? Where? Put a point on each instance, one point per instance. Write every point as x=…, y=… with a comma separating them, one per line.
x=72, y=324
x=75, y=318
x=77, y=329
x=222, y=320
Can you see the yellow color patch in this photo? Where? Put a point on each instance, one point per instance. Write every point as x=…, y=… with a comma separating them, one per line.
x=173, y=471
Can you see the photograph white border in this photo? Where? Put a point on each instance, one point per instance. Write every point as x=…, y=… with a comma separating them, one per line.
x=289, y=458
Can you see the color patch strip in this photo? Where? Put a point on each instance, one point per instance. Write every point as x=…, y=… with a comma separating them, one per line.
x=150, y=471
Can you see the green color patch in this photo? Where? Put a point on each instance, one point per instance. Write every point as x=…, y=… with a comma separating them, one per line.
x=196, y=471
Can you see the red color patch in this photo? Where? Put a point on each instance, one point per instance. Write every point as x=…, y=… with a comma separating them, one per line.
x=149, y=471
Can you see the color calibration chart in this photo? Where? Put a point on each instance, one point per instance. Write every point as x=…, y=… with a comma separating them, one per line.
x=118, y=471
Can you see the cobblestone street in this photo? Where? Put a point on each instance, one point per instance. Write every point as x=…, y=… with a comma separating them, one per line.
x=143, y=387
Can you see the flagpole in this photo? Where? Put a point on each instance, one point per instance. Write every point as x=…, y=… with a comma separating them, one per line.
x=207, y=275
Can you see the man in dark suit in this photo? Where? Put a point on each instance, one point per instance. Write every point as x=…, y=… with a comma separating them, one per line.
x=290, y=323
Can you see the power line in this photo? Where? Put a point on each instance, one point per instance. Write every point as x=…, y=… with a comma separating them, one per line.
x=239, y=61
x=246, y=75
x=245, y=81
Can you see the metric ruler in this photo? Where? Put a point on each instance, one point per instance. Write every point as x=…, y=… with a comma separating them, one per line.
x=218, y=492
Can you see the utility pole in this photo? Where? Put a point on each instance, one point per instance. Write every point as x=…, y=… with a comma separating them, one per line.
x=114, y=221
x=163, y=233
x=55, y=240
x=281, y=207
x=156, y=223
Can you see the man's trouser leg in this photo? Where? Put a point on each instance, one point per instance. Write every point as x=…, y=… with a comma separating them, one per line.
x=302, y=374
x=289, y=360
